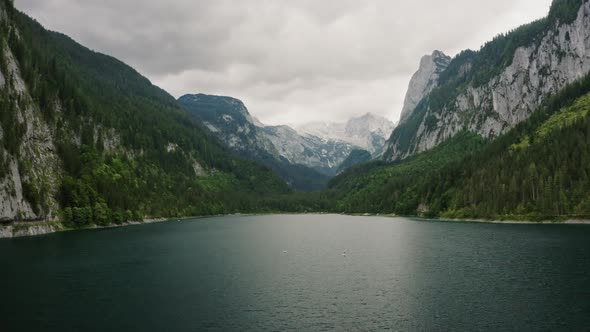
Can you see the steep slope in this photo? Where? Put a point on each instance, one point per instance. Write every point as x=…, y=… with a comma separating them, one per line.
x=86, y=138
x=368, y=132
x=490, y=91
x=228, y=119
x=424, y=81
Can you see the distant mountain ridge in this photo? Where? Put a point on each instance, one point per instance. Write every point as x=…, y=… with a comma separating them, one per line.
x=228, y=119
x=368, y=131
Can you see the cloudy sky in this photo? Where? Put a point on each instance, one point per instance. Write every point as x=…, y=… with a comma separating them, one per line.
x=290, y=61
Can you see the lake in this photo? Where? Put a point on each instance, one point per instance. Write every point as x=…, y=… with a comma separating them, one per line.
x=299, y=273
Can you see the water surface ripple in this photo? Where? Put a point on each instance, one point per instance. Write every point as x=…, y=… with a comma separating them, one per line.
x=299, y=273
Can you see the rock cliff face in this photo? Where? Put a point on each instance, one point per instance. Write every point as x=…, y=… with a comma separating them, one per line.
x=424, y=80
x=554, y=55
x=33, y=168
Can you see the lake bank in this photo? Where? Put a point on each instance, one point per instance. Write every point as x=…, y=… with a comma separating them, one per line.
x=565, y=221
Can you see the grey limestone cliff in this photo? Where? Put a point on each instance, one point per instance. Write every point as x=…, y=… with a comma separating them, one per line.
x=424, y=80
x=558, y=56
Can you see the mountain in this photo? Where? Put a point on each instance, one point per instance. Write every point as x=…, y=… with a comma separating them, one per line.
x=368, y=132
x=86, y=139
x=489, y=91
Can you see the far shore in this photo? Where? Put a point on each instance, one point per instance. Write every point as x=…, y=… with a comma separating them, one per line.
x=35, y=228
x=514, y=222
x=481, y=221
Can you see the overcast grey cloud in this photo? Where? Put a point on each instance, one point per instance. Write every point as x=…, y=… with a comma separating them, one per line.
x=290, y=61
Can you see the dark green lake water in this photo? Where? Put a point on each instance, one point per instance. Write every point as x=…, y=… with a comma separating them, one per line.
x=232, y=273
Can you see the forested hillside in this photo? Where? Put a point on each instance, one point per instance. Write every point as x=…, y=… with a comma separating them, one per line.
x=539, y=170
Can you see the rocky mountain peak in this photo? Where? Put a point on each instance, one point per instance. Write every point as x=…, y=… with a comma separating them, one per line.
x=369, y=123
x=424, y=81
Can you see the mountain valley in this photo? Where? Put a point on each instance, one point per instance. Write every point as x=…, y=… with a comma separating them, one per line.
x=498, y=133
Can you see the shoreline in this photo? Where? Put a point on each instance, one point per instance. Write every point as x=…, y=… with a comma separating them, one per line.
x=510, y=222
x=569, y=221
x=36, y=228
